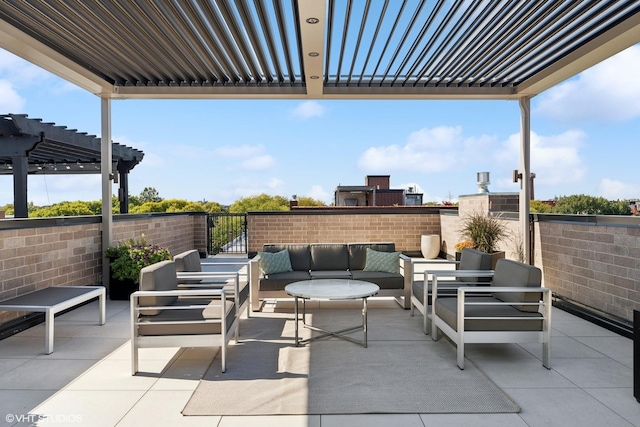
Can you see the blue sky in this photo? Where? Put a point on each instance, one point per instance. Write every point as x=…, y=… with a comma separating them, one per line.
x=584, y=141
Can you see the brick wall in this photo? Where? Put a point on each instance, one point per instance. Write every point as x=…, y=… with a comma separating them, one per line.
x=38, y=253
x=593, y=264
x=403, y=226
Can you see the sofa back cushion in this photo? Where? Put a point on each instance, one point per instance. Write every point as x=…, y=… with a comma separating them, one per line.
x=358, y=253
x=512, y=273
x=160, y=276
x=472, y=259
x=299, y=254
x=188, y=261
x=329, y=256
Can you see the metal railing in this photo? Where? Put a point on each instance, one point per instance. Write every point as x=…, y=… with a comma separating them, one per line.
x=226, y=233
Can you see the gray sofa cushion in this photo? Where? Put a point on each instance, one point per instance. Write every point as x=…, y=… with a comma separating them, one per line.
x=299, y=254
x=329, y=256
x=384, y=280
x=448, y=311
x=160, y=276
x=358, y=253
x=330, y=274
x=277, y=281
x=512, y=273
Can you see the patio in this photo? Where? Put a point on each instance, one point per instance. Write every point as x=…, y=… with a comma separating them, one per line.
x=87, y=380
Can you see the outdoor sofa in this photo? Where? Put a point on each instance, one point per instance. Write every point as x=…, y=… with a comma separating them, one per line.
x=278, y=265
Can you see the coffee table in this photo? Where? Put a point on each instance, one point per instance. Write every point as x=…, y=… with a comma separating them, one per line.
x=331, y=289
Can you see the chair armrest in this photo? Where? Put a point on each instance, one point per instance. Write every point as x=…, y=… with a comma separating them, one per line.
x=180, y=293
x=434, y=261
x=222, y=263
x=459, y=273
x=545, y=303
x=455, y=273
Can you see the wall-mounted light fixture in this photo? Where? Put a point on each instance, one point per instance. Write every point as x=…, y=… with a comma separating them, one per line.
x=312, y=20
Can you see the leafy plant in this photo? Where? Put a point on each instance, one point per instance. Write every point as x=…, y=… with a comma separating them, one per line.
x=130, y=256
x=484, y=230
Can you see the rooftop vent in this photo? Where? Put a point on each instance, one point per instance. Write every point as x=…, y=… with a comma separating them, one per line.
x=483, y=182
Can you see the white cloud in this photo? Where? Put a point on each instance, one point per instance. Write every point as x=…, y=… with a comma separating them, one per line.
x=616, y=190
x=554, y=159
x=318, y=193
x=427, y=150
x=307, y=110
x=10, y=100
x=607, y=91
x=263, y=162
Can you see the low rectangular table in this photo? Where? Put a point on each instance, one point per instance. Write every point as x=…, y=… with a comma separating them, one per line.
x=331, y=289
x=53, y=300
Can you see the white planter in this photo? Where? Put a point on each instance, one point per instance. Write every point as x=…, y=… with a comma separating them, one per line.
x=430, y=245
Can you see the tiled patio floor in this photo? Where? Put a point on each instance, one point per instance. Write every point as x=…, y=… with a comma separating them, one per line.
x=87, y=380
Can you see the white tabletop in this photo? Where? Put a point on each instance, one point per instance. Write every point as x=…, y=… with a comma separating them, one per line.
x=332, y=289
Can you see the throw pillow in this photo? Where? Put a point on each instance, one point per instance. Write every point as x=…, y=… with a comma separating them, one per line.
x=386, y=262
x=275, y=262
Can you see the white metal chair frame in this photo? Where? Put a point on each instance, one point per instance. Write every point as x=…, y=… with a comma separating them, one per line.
x=193, y=340
x=462, y=337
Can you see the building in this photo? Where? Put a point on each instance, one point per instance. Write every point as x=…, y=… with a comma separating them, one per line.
x=376, y=192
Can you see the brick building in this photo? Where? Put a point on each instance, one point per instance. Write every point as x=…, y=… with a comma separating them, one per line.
x=376, y=192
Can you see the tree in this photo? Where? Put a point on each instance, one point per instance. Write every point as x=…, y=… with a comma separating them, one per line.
x=308, y=201
x=169, y=205
x=263, y=202
x=212, y=207
x=149, y=194
x=540, y=207
x=590, y=205
x=62, y=209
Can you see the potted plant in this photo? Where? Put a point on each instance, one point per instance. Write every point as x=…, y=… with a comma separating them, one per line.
x=126, y=259
x=463, y=244
x=485, y=231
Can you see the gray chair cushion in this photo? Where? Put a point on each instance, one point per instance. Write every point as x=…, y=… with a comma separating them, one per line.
x=210, y=311
x=188, y=261
x=447, y=310
x=512, y=273
x=472, y=259
x=160, y=276
x=299, y=254
x=448, y=288
x=329, y=256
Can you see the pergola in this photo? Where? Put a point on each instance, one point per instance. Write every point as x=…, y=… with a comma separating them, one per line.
x=317, y=49
x=31, y=147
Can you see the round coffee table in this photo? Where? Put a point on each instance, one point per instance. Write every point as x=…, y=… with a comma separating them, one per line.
x=331, y=289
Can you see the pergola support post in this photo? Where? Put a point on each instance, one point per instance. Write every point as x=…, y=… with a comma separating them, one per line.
x=20, y=172
x=525, y=173
x=105, y=168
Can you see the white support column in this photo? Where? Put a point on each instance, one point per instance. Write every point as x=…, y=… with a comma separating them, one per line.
x=525, y=170
x=105, y=168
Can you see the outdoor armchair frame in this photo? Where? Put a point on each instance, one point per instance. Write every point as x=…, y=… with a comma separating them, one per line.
x=460, y=335
x=192, y=300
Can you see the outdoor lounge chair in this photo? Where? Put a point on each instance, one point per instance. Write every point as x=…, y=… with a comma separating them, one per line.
x=518, y=309
x=471, y=261
x=234, y=280
x=162, y=315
